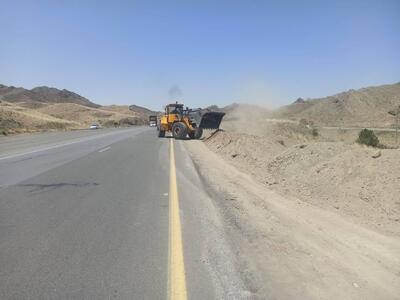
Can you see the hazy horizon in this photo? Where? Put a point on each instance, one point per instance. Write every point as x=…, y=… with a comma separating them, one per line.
x=148, y=53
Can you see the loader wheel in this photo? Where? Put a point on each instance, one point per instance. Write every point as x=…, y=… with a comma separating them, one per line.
x=179, y=130
x=161, y=133
x=198, y=132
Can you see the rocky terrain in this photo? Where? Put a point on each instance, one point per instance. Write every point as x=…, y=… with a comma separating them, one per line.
x=42, y=94
x=305, y=205
x=45, y=108
x=320, y=165
x=366, y=107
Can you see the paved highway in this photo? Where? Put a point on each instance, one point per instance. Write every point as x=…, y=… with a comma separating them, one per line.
x=116, y=214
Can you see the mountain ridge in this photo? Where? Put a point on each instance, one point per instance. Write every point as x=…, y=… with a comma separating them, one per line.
x=368, y=106
x=46, y=108
x=43, y=94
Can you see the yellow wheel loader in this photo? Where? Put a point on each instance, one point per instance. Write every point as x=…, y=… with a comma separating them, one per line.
x=183, y=122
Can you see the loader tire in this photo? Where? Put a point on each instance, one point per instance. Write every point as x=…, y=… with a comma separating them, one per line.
x=161, y=133
x=179, y=130
x=198, y=132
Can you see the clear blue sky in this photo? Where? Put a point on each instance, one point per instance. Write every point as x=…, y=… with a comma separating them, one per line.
x=265, y=52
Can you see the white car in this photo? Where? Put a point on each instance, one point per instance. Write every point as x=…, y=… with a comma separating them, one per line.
x=94, y=126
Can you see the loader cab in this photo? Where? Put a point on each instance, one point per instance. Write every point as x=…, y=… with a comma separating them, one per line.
x=175, y=109
x=174, y=112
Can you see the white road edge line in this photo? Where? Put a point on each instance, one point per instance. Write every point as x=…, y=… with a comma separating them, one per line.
x=104, y=149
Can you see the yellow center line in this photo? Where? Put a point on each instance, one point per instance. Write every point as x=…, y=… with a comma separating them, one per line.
x=176, y=265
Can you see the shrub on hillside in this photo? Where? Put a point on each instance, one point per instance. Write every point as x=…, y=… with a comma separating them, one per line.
x=368, y=137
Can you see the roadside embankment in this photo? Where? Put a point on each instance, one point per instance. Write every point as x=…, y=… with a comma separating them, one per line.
x=357, y=182
x=306, y=221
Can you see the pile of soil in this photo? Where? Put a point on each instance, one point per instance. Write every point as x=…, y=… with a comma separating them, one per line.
x=357, y=182
x=286, y=248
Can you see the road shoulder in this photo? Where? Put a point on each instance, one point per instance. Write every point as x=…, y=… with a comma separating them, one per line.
x=210, y=265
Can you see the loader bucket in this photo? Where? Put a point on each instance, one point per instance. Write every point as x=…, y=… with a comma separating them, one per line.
x=211, y=120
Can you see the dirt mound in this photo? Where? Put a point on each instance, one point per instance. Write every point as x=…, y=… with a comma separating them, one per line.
x=248, y=148
x=256, y=121
x=339, y=177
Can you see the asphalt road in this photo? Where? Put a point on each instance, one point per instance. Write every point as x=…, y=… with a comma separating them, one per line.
x=87, y=215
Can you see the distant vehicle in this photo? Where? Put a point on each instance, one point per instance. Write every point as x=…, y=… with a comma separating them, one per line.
x=152, y=121
x=94, y=126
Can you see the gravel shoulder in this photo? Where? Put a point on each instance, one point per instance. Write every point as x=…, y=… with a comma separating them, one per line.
x=292, y=249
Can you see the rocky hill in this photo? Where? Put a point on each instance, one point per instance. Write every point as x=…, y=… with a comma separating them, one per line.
x=42, y=94
x=141, y=109
x=44, y=108
x=364, y=107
